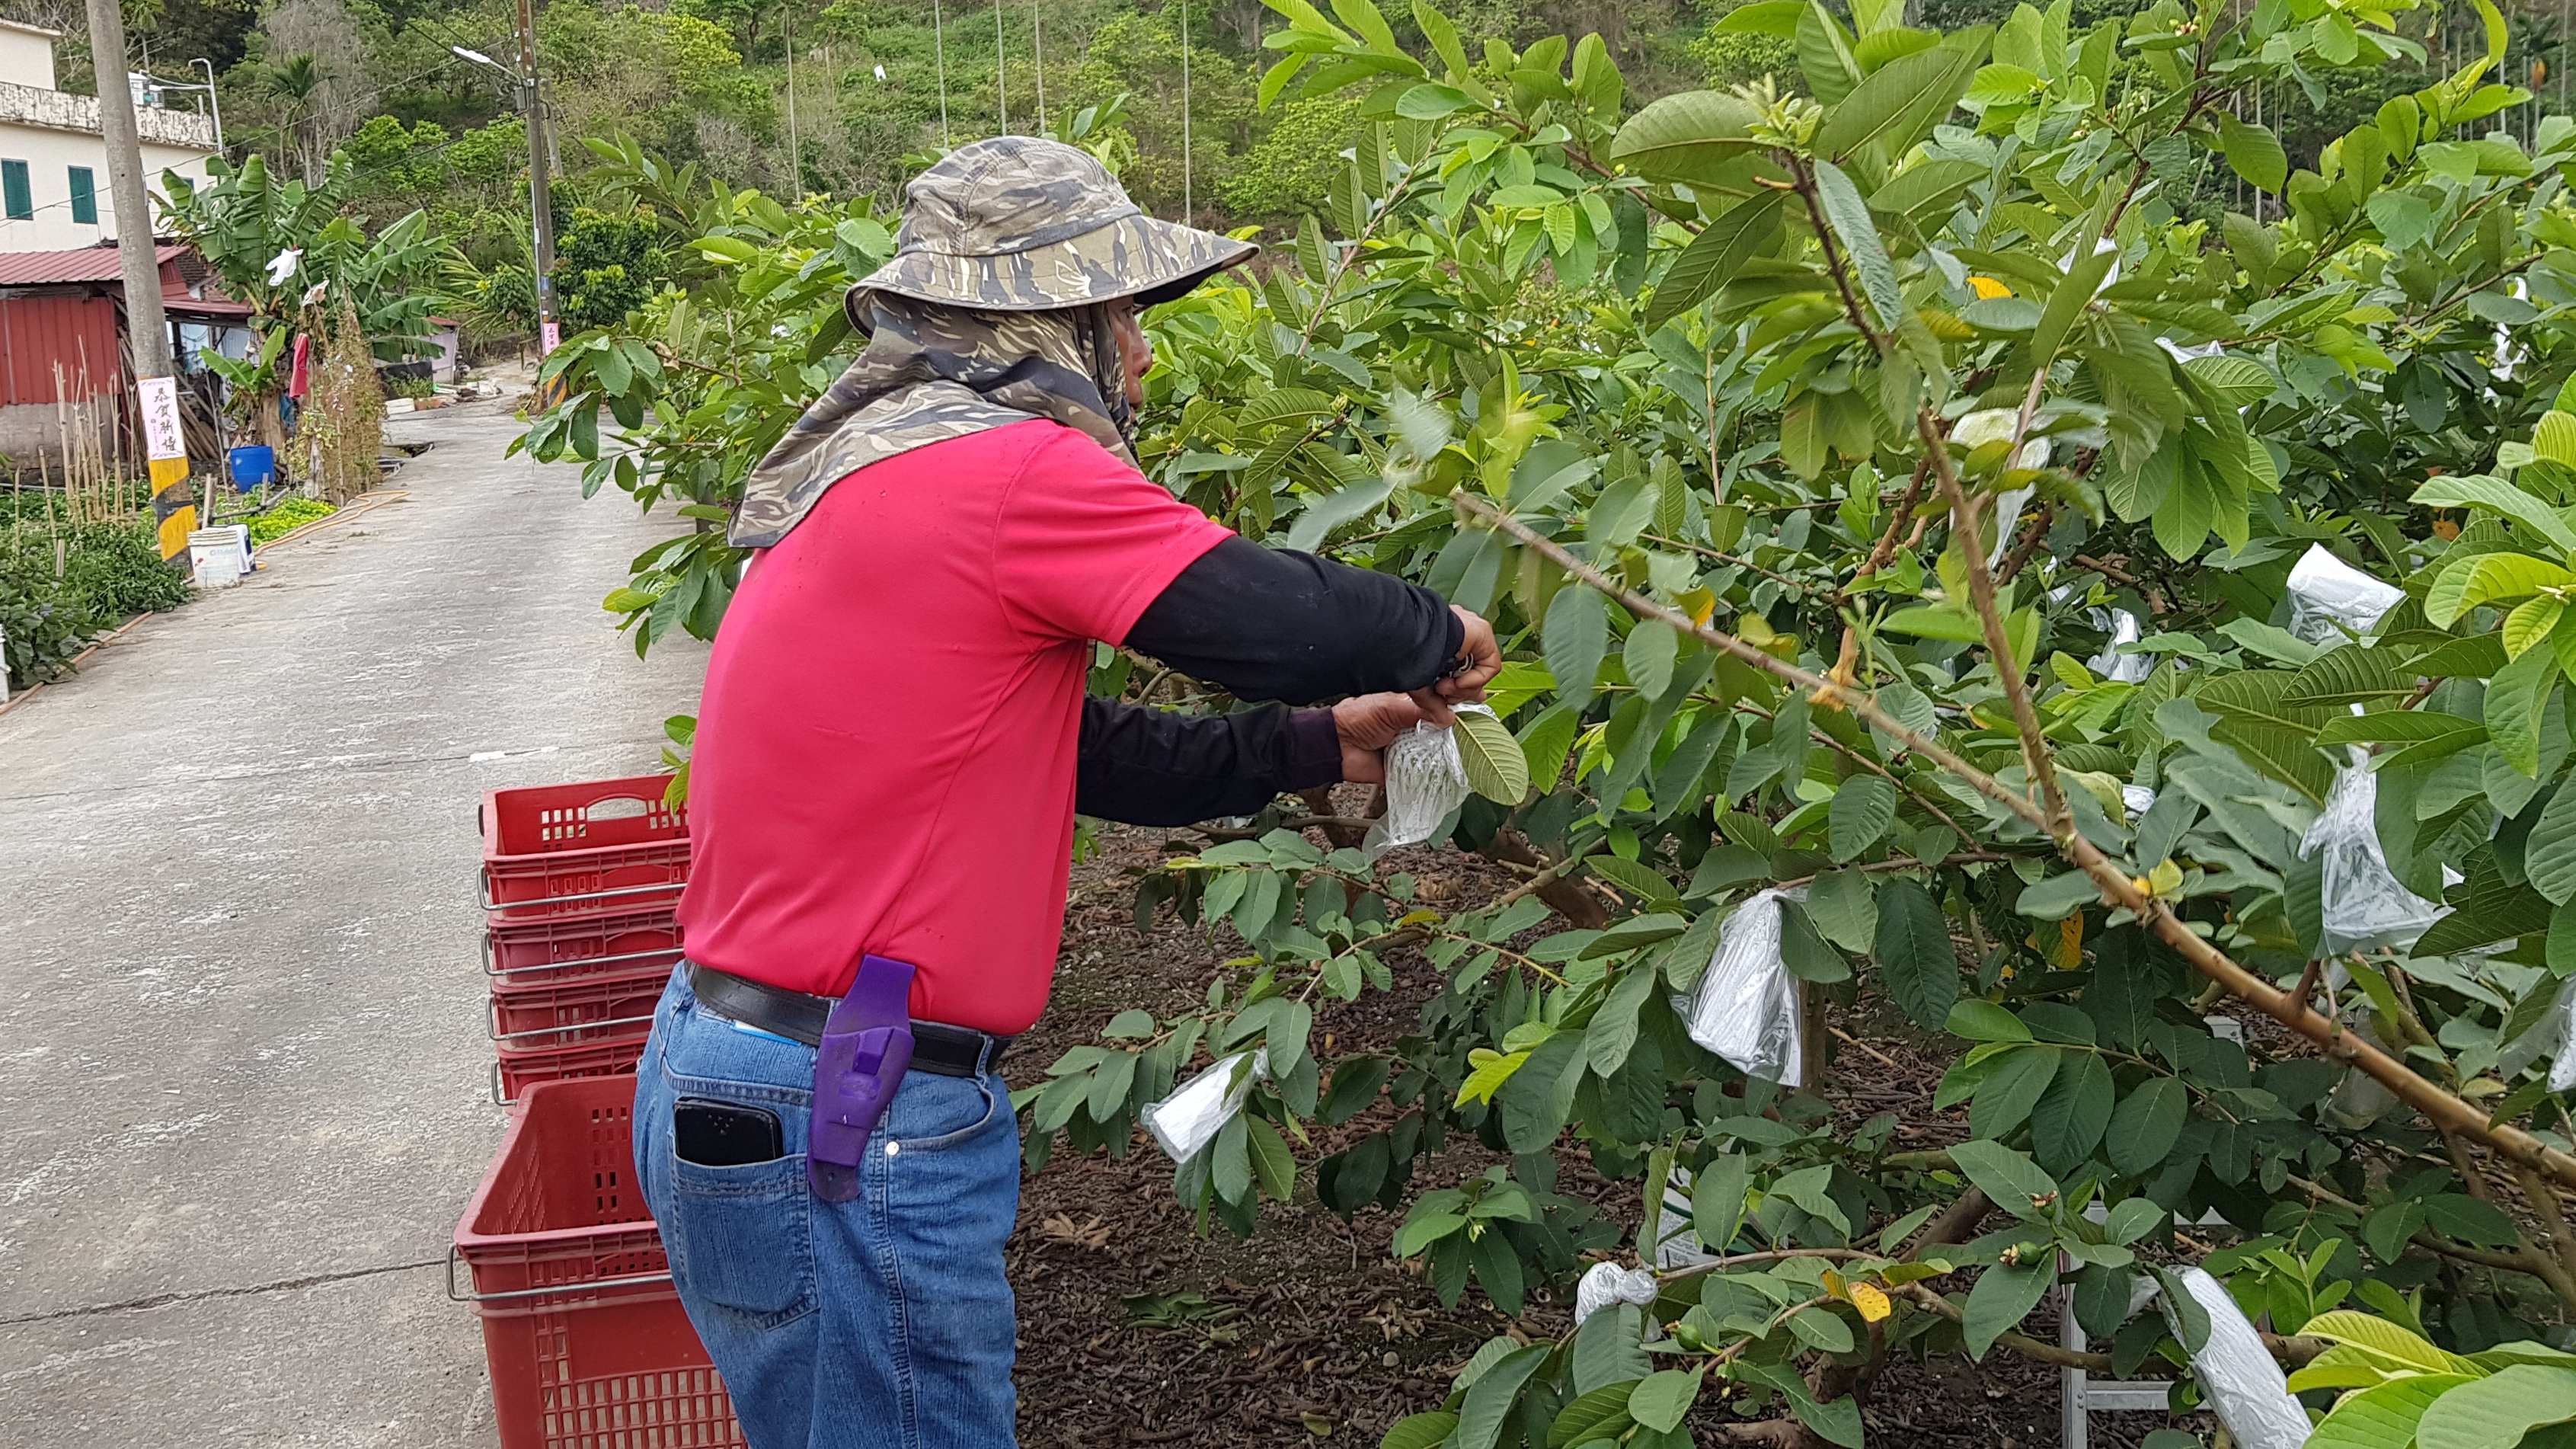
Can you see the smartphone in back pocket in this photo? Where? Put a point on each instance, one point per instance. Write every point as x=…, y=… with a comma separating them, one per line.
x=724, y=1134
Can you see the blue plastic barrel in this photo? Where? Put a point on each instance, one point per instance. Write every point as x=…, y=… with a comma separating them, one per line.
x=253, y=466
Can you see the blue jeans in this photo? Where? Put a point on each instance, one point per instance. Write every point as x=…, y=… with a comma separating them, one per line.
x=884, y=1322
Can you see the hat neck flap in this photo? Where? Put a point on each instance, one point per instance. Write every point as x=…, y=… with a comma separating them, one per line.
x=930, y=373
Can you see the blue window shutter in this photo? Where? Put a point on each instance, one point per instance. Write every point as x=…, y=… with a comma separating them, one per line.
x=84, y=196
x=19, y=202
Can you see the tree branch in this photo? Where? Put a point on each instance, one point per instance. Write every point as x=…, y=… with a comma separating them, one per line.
x=1981, y=591
x=2438, y=1106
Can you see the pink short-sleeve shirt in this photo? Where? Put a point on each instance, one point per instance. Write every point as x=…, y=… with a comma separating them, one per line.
x=885, y=752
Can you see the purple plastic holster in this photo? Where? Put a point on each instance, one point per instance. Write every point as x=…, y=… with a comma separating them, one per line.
x=867, y=1047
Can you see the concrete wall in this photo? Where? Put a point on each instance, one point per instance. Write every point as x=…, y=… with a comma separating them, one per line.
x=54, y=131
x=50, y=154
x=26, y=55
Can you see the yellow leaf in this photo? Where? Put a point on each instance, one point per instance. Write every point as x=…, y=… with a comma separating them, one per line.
x=1872, y=1303
x=1490, y=1074
x=2532, y=620
x=2070, y=941
x=2555, y=438
x=1989, y=287
x=2166, y=878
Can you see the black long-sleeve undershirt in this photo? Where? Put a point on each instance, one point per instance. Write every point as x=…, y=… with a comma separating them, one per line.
x=1265, y=624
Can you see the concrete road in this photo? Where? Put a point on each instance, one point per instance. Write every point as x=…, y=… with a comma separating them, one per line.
x=243, y=1062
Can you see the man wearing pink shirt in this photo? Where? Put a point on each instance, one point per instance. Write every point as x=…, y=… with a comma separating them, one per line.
x=891, y=749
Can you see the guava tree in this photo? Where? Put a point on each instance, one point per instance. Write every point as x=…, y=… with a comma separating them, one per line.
x=1801, y=442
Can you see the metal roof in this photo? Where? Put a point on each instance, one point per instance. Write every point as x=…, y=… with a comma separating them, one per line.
x=83, y=264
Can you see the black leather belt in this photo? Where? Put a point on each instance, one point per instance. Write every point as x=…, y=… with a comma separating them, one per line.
x=949, y=1051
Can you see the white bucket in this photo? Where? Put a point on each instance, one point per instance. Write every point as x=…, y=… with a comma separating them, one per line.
x=220, y=556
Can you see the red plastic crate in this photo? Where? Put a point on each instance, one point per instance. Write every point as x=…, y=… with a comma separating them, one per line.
x=553, y=850
x=552, y=950
x=585, y=1010
x=612, y=1054
x=587, y=1341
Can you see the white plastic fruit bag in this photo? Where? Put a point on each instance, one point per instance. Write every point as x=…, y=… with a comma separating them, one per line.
x=2326, y=592
x=1995, y=425
x=1425, y=781
x=2358, y=1098
x=2554, y=1035
x=2237, y=1375
x=1199, y=1108
x=1746, y=1006
x=2364, y=907
x=1606, y=1284
x=2111, y=664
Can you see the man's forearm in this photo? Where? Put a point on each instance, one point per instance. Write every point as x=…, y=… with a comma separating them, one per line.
x=1147, y=766
x=1272, y=624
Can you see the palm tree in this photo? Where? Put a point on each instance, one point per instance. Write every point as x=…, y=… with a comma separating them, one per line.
x=298, y=80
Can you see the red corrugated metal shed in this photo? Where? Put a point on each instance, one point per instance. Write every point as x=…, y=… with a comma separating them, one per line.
x=37, y=333
x=65, y=308
x=84, y=264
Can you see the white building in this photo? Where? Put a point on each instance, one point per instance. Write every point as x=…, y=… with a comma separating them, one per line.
x=54, y=191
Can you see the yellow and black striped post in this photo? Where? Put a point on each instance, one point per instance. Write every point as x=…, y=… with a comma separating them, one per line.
x=174, y=503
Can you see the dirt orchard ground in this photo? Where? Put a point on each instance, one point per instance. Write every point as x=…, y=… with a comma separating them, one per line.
x=1136, y=1330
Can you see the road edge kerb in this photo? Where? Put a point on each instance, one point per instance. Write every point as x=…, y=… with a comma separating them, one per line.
x=74, y=663
x=359, y=506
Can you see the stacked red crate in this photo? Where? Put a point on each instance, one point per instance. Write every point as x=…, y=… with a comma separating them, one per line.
x=588, y=1344
x=581, y=885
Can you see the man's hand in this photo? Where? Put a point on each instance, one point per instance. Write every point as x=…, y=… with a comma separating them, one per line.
x=1484, y=660
x=1367, y=724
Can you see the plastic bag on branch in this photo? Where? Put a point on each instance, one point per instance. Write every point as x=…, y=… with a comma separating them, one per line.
x=1199, y=1108
x=2237, y=1374
x=2111, y=664
x=2364, y=907
x=1606, y=1284
x=2553, y=1036
x=2358, y=1098
x=1425, y=781
x=1995, y=425
x=1746, y=1007
x=2326, y=592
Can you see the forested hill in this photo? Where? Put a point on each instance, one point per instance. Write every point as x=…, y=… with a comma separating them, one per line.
x=847, y=98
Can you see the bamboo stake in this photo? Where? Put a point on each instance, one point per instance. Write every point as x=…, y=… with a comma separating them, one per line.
x=2118, y=889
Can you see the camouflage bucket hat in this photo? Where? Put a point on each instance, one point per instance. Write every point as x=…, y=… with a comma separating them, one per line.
x=1025, y=224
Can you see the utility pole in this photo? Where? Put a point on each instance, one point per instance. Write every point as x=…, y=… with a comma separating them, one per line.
x=532, y=105
x=795, y=157
x=146, y=328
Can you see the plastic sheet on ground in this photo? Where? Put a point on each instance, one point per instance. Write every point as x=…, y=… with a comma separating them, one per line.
x=1605, y=1284
x=1199, y=1108
x=1425, y=781
x=2237, y=1374
x=2326, y=592
x=2365, y=908
x=1746, y=1007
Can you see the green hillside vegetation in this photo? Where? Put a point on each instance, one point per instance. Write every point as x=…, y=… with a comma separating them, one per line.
x=878, y=87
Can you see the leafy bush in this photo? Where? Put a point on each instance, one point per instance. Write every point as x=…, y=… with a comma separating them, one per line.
x=43, y=623
x=1802, y=446
x=116, y=571
x=286, y=516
